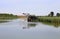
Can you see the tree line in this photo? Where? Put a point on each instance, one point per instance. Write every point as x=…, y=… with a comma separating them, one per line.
x=52, y=14
x=7, y=15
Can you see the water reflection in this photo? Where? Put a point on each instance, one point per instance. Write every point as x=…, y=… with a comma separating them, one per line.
x=3, y=21
x=30, y=25
x=18, y=29
x=55, y=24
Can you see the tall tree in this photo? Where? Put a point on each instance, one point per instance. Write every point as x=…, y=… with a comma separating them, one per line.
x=52, y=13
x=58, y=14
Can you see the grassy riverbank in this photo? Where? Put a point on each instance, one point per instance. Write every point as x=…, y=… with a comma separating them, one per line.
x=50, y=20
x=5, y=17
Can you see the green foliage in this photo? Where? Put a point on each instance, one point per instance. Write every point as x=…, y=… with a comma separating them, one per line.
x=58, y=14
x=51, y=14
x=52, y=20
x=7, y=16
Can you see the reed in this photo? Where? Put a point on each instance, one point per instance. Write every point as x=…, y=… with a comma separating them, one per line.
x=52, y=20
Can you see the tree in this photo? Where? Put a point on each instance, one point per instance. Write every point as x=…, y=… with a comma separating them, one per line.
x=52, y=14
x=58, y=14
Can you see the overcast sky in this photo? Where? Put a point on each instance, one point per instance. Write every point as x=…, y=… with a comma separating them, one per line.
x=37, y=7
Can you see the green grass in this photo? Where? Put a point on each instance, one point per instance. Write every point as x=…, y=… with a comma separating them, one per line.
x=50, y=20
x=5, y=17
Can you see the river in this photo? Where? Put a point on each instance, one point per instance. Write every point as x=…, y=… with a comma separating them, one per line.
x=19, y=29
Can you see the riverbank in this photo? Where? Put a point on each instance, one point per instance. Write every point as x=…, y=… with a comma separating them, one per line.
x=5, y=17
x=50, y=20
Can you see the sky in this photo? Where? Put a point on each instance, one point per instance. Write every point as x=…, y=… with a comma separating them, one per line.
x=37, y=7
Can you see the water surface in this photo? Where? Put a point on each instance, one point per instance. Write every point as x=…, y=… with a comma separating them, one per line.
x=18, y=29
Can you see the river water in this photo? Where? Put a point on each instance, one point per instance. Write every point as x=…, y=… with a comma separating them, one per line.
x=19, y=29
